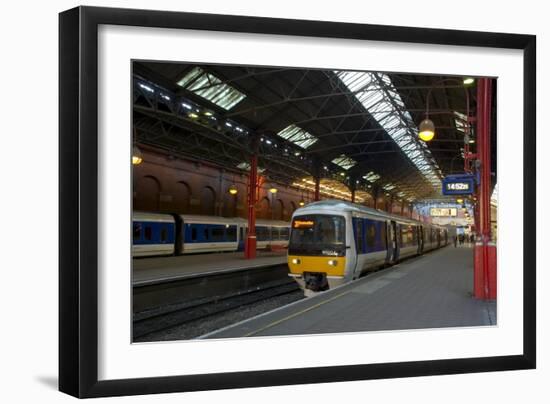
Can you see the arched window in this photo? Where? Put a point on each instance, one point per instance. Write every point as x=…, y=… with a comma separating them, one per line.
x=264, y=211
x=182, y=196
x=208, y=201
x=278, y=210
x=147, y=193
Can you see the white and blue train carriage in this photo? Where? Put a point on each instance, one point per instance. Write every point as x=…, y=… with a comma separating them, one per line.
x=202, y=234
x=271, y=234
x=333, y=242
x=158, y=234
x=153, y=234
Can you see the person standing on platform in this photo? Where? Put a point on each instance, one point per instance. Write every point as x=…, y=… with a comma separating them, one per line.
x=455, y=239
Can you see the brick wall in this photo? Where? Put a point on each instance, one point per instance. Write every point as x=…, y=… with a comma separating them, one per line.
x=164, y=184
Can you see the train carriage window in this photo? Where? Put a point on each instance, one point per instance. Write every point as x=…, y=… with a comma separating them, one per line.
x=275, y=234
x=330, y=230
x=217, y=233
x=148, y=232
x=383, y=237
x=137, y=231
x=262, y=233
x=206, y=233
x=193, y=233
x=359, y=239
x=241, y=234
x=371, y=236
x=284, y=233
x=231, y=233
x=163, y=234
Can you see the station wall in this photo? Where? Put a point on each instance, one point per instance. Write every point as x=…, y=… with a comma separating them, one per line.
x=162, y=183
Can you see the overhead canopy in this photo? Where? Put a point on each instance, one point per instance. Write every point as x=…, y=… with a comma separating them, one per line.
x=358, y=128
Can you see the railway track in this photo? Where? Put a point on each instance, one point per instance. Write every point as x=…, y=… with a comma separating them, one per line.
x=187, y=300
x=179, y=315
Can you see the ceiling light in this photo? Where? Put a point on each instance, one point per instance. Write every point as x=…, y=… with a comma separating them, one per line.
x=137, y=157
x=233, y=189
x=426, y=130
x=468, y=80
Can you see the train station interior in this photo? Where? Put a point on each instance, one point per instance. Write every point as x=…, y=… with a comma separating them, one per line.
x=271, y=200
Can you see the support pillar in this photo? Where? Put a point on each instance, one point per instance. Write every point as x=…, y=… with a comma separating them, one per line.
x=250, y=245
x=485, y=250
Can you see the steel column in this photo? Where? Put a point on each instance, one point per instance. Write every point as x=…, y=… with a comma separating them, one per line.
x=484, y=266
x=250, y=245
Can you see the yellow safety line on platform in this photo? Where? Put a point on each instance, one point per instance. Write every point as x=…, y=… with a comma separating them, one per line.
x=296, y=314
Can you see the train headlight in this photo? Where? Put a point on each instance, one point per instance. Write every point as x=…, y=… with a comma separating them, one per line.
x=333, y=262
x=296, y=261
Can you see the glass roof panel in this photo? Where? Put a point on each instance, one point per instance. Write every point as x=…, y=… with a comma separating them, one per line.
x=460, y=121
x=345, y=162
x=211, y=88
x=246, y=166
x=298, y=136
x=371, y=176
x=380, y=98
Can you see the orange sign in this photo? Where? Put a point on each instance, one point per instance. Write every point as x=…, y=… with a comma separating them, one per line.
x=301, y=224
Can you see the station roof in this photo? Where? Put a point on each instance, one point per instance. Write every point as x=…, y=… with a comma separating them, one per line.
x=358, y=128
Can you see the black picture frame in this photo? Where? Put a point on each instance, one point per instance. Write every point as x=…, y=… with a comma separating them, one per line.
x=78, y=200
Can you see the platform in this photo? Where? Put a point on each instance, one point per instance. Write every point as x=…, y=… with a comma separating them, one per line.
x=164, y=269
x=431, y=291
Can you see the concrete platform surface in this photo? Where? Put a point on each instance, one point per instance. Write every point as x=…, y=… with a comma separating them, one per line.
x=431, y=291
x=172, y=268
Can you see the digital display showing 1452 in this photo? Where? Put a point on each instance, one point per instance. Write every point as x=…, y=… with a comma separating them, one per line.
x=462, y=184
x=457, y=186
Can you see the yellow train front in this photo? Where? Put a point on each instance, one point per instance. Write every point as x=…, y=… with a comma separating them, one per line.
x=333, y=242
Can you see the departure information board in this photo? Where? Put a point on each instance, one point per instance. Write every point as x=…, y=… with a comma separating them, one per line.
x=439, y=212
x=463, y=184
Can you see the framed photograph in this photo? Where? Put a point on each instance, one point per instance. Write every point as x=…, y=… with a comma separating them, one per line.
x=250, y=201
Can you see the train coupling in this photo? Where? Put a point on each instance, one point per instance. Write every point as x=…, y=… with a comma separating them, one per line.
x=316, y=281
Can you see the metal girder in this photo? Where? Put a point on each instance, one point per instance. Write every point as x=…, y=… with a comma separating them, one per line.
x=288, y=95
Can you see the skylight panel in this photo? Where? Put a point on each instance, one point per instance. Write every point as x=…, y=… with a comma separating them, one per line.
x=344, y=161
x=246, y=167
x=460, y=121
x=380, y=98
x=371, y=176
x=211, y=88
x=388, y=187
x=298, y=136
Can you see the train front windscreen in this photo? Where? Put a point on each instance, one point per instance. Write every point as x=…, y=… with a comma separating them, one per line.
x=318, y=235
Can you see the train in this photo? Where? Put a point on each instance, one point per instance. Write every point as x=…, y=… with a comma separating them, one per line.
x=161, y=234
x=333, y=242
